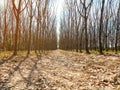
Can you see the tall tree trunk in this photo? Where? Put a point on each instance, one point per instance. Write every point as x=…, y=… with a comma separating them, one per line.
x=5, y=31
x=81, y=37
x=77, y=40
x=101, y=27
x=86, y=35
x=117, y=29
x=94, y=39
x=29, y=42
x=106, y=36
x=16, y=35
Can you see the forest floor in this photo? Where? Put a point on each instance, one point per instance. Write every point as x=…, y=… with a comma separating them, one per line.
x=61, y=70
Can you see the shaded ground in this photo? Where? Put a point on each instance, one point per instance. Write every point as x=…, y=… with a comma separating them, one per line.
x=61, y=70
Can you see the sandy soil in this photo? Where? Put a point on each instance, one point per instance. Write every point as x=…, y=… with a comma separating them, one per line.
x=61, y=70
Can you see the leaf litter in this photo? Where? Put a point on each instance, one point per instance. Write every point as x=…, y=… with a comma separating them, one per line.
x=61, y=70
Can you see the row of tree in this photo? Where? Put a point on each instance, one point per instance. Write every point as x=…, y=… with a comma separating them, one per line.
x=27, y=25
x=90, y=25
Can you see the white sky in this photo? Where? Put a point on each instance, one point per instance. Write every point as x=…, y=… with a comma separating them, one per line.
x=1, y=3
x=59, y=10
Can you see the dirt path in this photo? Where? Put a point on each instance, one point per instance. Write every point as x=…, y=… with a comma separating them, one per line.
x=61, y=70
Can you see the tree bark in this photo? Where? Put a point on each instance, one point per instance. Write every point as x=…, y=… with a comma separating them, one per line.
x=101, y=28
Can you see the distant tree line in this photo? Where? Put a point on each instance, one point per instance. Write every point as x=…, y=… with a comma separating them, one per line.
x=27, y=25
x=90, y=25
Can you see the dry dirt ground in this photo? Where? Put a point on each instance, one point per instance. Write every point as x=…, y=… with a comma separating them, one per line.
x=61, y=70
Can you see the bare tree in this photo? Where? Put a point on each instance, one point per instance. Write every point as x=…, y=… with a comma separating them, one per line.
x=30, y=13
x=17, y=11
x=101, y=27
x=118, y=28
x=5, y=27
x=85, y=13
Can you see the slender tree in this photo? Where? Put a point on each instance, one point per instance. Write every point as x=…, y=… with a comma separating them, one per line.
x=117, y=28
x=17, y=11
x=85, y=13
x=101, y=28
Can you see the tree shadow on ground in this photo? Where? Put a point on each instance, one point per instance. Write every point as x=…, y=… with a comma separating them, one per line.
x=4, y=85
x=6, y=60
